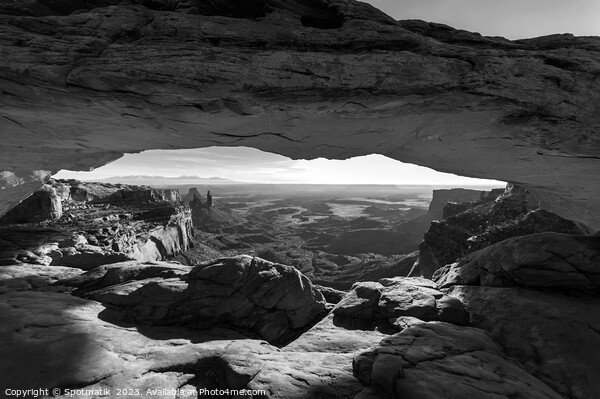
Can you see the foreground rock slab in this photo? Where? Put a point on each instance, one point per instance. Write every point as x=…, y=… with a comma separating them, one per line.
x=50, y=340
x=553, y=335
x=26, y=277
x=439, y=360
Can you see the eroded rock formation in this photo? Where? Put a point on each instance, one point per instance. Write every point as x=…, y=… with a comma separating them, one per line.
x=470, y=226
x=82, y=84
x=43, y=204
x=119, y=223
x=537, y=260
x=273, y=301
x=391, y=298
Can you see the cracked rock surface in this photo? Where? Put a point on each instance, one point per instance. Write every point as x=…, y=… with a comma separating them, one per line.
x=273, y=301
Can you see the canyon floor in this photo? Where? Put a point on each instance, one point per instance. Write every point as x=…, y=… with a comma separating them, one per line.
x=138, y=292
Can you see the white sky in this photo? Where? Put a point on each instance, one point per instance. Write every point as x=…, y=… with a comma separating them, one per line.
x=513, y=19
x=251, y=165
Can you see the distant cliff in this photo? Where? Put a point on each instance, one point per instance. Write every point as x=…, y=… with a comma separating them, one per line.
x=469, y=226
x=458, y=195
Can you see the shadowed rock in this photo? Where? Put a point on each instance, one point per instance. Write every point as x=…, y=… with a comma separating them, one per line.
x=478, y=224
x=438, y=360
x=551, y=334
x=62, y=342
x=44, y=204
x=109, y=78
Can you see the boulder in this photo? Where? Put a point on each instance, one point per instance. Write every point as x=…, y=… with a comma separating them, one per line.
x=368, y=302
x=273, y=301
x=331, y=295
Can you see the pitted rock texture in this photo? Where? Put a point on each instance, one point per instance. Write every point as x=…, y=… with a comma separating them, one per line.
x=439, y=360
x=545, y=260
x=369, y=303
x=274, y=301
x=301, y=78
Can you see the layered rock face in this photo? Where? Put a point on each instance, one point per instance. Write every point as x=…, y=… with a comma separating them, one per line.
x=470, y=226
x=455, y=195
x=119, y=223
x=44, y=204
x=116, y=78
x=152, y=195
x=537, y=260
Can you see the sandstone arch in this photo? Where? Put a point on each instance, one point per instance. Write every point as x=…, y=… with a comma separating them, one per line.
x=79, y=89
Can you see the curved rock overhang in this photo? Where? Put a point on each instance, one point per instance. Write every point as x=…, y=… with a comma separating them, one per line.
x=302, y=78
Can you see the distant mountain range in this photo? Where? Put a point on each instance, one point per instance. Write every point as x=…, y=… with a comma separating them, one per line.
x=143, y=180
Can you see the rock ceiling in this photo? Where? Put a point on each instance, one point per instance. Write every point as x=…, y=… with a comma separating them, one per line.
x=303, y=78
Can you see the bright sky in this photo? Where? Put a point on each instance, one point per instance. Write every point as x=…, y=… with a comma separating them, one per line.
x=251, y=165
x=513, y=19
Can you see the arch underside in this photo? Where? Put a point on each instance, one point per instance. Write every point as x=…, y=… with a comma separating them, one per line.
x=79, y=90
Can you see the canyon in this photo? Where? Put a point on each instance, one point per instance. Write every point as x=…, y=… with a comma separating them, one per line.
x=199, y=315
